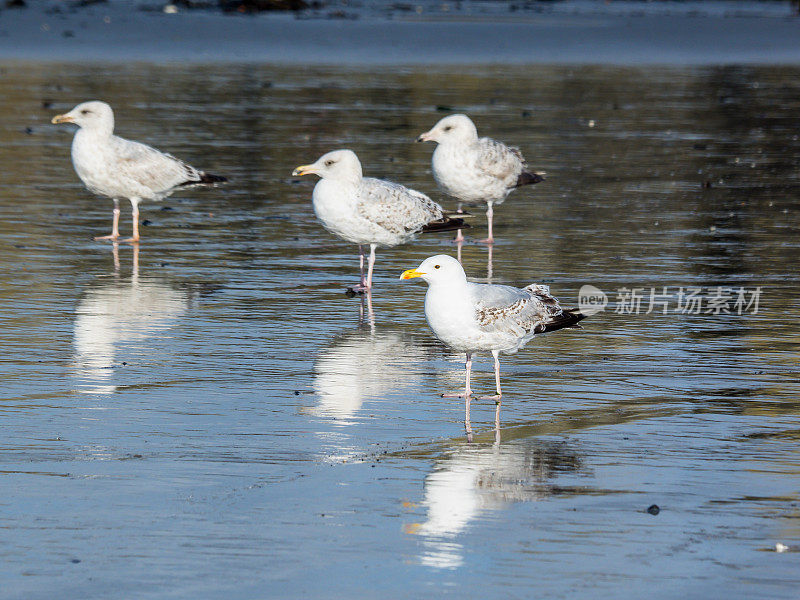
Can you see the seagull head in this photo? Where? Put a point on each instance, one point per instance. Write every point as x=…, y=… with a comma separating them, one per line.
x=438, y=269
x=95, y=116
x=342, y=165
x=452, y=129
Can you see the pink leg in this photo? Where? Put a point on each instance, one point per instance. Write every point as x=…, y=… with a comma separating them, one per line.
x=135, y=215
x=362, y=284
x=371, y=264
x=361, y=264
x=489, y=265
x=499, y=393
x=489, y=215
x=114, y=227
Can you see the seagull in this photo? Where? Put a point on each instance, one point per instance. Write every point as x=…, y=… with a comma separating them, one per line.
x=364, y=210
x=477, y=317
x=118, y=168
x=475, y=170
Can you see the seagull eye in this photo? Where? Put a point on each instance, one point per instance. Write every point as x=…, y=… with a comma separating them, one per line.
x=436, y=266
x=85, y=112
x=328, y=163
x=448, y=128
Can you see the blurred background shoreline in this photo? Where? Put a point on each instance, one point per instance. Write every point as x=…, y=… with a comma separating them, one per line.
x=391, y=33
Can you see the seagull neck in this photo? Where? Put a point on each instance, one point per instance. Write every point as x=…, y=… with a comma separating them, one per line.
x=448, y=286
x=96, y=134
x=448, y=300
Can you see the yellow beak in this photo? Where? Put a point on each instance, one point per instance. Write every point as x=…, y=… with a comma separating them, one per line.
x=303, y=170
x=62, y=119
x=411, y=273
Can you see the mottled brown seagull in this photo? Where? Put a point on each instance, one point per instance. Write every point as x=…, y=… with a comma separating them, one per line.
x=475, y=170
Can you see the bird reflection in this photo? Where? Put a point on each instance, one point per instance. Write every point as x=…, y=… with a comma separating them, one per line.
x=476, y=479
x=365, y=363
x=116, y=311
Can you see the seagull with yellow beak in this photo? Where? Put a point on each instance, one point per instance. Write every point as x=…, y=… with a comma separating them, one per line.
x=477, y=317
x=118, y=168
x=364, y=210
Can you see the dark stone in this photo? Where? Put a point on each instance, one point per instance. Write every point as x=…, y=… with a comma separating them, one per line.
x=254, y=6
x=653, y=509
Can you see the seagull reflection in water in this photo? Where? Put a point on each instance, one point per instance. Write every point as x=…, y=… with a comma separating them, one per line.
x=472, y=480
x=366, y=363
x=117, y=311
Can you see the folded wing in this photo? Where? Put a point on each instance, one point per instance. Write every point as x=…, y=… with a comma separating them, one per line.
x=148, y=167
x=396, y=208
x=520, y=312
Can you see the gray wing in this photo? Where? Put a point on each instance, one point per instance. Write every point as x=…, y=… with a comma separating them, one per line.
x=148, y=167
x=498, y=160
x=505, y=309
x=396, y=208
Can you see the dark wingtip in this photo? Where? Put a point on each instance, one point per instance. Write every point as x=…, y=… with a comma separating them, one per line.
x=209, y=178
x=569, y=317
x=445, y=224
x=205, y=179
x=526, y=178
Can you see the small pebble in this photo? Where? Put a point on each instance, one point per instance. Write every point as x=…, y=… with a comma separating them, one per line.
x=653, y=509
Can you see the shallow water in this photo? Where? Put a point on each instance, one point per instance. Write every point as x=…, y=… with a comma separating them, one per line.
x=210, y=417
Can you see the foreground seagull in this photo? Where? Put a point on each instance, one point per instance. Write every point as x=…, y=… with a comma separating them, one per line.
x=370, y=211
x=476, y=317
x=475, y=170
x=118, y=168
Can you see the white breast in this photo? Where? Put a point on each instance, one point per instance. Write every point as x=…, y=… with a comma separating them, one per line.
x=455, y=171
